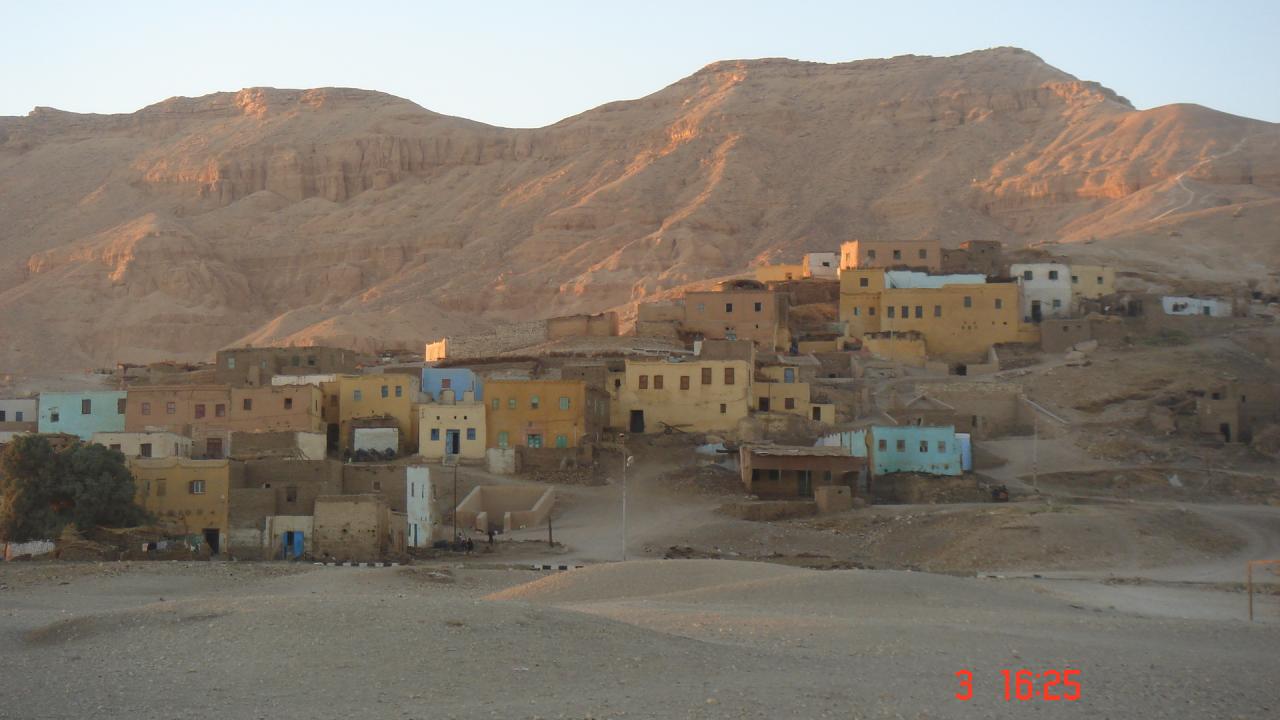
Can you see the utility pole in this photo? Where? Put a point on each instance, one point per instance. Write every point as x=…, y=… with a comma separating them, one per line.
x=622, y=440
x=1035, y=448
x=455, y=502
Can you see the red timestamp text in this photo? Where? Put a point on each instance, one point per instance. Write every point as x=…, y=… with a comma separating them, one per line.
x=1024, y=685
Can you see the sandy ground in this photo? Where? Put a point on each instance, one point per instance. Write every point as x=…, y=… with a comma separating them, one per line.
x=648, y=639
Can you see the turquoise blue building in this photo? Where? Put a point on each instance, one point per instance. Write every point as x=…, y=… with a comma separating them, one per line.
x=82, y=413
x=459, y=380
x=928, y=449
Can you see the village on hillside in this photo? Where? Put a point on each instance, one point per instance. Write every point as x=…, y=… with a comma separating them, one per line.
x=888, y=372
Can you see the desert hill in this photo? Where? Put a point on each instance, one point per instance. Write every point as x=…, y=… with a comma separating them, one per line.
x=354, y=217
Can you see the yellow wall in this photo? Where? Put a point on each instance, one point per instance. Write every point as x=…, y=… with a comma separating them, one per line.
x=459, y=416
x=778, y=273
x=881, y=253
x=1085, y=283
x=906, y=349
x=371, y=403
x=696, y=409
x=163, y=487
x=511, y=410
x=778, y=391
x=953, y=328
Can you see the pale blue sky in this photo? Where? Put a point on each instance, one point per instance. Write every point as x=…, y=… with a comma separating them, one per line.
x=532, y=63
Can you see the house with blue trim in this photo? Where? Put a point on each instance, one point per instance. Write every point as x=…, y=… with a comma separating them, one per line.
x=927, y=449
x=459, y=380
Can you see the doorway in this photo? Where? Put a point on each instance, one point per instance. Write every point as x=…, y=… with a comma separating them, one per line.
x=817, y=414
x=1035, y=311
x=764, y=404
x=637, y=421
x=452, y=442
x=293, y=541
x=213, y=448
x=1225, y=429
x=331, y=436
x=211, y=536
x=804, y=483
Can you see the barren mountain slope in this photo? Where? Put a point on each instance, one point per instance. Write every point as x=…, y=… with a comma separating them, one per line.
x=350, y=216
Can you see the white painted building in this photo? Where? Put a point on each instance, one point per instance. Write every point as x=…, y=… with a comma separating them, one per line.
x=149, y=444
x=303, y=379
x=1046, y=289
x=19, y=410
x=377, y=438
x=417, y=506
x=822, y=265
x=1208, y=307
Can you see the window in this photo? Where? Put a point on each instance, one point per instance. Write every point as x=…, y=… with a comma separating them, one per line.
x=119, y=407
x=291, y=493
x=231, y=363
x=494, y=404
x=247, y=404
x=857, y=311
x=897, y=254
x=1075, y=279
x=724, y=409
x=924, y=446
x=196, y=487
x=1053, y=274
x=562, y=441
x=902, y=446
x=706, y=376
x=906, y=312
x=657, y=382
x=296, y=361
x=728, y=376
x=684, y=382
x=1099, y=279
x=759, y=307
x=86, y=406
x=53, y=415
x=171, y=408
x=288, y=403
x=386, y=391
x=17, y=416
x=565, y=403
x=937, y=311
x=942, y=446
x=213, y=448
x=114, y=446
x=377, y=484
x=788, y=375
x=644, y=382
x=435, y=434
x=890, y=311
x=2, y=415
x=1057, y=303
x=968, y=301
x=399, y=391
x=146, y=408
x=357, y=395
x=702, y=307
x=999, y=303
x=884, y=445
x=923, y=253
x=471, y=433
x=871, y=254
x=1027, y=275
x=219, y=410
x=864, y=282
x=511, y=403
x=503, y=439
x=534, y=401
x=446, y=383
x=919, y=311
x=199, y=411
x=871, y=311
x=789, y=404
x=728, y=307
x=311, y=360
x=144, y=449
x=533, y=440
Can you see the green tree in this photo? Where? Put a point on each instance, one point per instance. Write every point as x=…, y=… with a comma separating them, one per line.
x=42, y=489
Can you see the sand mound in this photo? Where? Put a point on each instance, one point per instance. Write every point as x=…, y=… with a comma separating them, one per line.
x=645, y=579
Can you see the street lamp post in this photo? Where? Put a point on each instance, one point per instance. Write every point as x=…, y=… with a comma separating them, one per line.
x=622, y=438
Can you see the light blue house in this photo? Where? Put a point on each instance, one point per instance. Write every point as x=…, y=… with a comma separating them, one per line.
x=928, y=449
x=459, y=380
x=82, y=413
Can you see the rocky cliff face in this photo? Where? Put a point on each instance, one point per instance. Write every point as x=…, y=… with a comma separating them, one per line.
x=338, y=215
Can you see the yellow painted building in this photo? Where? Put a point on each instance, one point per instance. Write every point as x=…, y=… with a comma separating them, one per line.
x=1090, y=282
x=390, y=395
x=707, y=393
x=957, y=321
x=784, y=393
x=779, y=273
x=452, y=428
x=542, y=413
x=187, y=496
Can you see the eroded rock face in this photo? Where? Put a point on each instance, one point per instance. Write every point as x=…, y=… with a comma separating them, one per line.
x=342, y=215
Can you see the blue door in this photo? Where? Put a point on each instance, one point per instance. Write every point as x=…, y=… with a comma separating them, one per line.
x=452, y=442
x=292, y=545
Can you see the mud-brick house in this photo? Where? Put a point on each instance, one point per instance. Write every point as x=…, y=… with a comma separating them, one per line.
x=786, y=471
x=925, y=255
x=708, y=392
x=361, y=528
x=927, y=449
x=252, y=367
x=780, y=390
x=82, y=413
x=190, y=497
x=544, y=413
x=209, y=414
x=739, y=310
x=1234, y=411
